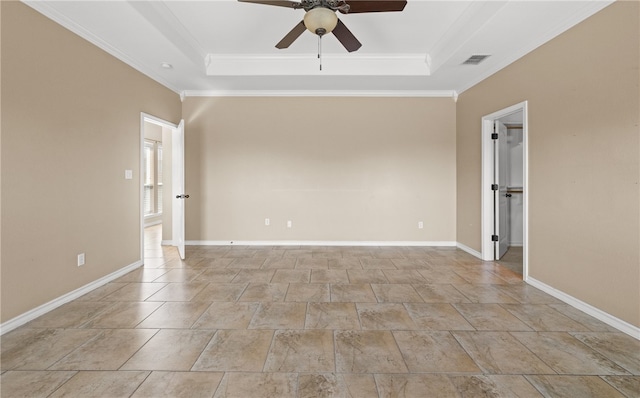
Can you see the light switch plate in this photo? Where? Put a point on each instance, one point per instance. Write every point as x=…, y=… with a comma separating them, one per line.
x=128, y=174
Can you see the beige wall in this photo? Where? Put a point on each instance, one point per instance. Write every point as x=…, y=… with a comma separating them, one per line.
x=70, y=127
x=584, y=221
x=341, y=169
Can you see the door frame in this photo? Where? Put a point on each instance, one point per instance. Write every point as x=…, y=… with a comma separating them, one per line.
x=487, y=206
x=145, y=117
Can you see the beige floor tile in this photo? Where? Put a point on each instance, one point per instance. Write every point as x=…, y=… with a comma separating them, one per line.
x=325, y=385
x=257, y=385
x=473, y=274
x=484, y=294
x=236, y=252
x=107, y=351
x=170, y=349
x=221, y=315
x=414, y=386
x=590, y=322
x=123, y=314
x=542, y=318
x=135, y=292
x=101, y=384
x=329, y=276
x=265, y=292
x=527, y=294
x=32, y=384
x=291, y=276
x=178, y=291
x=396, y=293
x=403, y=275
x=174, y=315
x=312, y=263
x=437, y=317
x=490, y=317
x=332, y=316
x=308, y=292
x=179, y=275
x=37, y=349
x=386, y=252
x=215, y=263
x=494, y=386
x=627, y=385
x=433, y=352
x=221, y=292
x=345, y=263
x=279, y=316
x=411, y=264
x=179, y=385
x=235, y=350
x=254, y=276
x=384, y=316
x=301, y=351
x=102, y=292
x=568, y=355
x=500, y=353
x=618, y=347
x=279, y=263
x=270, y=252
x=367, y=351
x=366, y=276
x=440, y=293
x=353, y=293
x=377, y=263
x=247, y=263
x=573, y=386
x=142, y=274
x=435, y=275
x=217, y=275
x=70, y=315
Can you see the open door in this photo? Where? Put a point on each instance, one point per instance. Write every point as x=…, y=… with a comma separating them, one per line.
x=500, y=198
x=178, y=195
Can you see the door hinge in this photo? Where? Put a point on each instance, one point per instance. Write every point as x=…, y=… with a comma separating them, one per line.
x=494, y=187
x=494, y=136
x=494, y=238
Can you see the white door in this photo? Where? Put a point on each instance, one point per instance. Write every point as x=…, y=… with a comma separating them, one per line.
x=177, y=182
x=501, y=201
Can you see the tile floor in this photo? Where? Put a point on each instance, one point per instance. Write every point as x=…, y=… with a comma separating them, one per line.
x=317, y=322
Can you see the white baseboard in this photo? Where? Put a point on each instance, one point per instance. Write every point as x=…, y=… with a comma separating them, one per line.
x=55, y=303
x=167, y=243
x=609, y=319
x=469, y=250
x=314, y=243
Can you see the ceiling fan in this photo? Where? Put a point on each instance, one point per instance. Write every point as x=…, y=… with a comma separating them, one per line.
x=320, y=17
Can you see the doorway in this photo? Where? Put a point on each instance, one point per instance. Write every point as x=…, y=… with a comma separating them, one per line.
x=504, y=188
x=155, y=180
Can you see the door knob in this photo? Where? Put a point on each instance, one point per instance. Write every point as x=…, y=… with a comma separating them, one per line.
x=508, y=195
x=182, y=196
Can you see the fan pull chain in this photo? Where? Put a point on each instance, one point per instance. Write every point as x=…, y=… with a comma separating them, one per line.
x=320, y=50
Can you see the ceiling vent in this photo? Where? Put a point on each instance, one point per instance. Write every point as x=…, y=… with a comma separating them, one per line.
x=475, y=59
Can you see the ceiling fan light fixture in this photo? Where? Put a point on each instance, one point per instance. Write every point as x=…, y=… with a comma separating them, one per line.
x=320, y=20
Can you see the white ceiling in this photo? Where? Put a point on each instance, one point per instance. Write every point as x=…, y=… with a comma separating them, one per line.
x=223, y=47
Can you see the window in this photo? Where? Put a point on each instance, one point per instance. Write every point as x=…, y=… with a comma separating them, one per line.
x=152, y=164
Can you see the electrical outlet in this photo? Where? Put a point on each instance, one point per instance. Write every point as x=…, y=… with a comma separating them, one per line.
x=289, y=224
x=80, y=259
x=420, y=225
x=267, y=222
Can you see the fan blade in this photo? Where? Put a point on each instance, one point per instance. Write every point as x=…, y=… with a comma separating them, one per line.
x=356, y=6
x=292, y=36
x=345, y=37
x=282, y=3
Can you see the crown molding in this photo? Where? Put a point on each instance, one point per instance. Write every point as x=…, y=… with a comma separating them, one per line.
x=322, y=93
